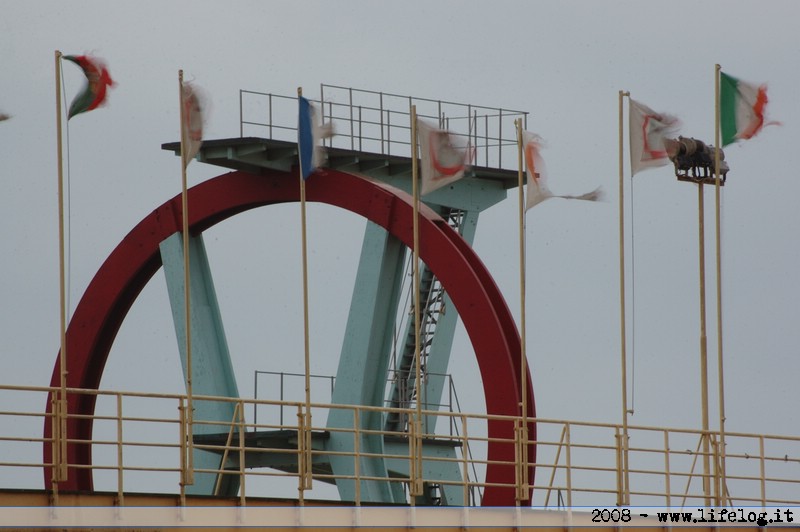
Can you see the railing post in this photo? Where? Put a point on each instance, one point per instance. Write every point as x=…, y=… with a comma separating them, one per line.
x=380, y=114
x=352, y=142
x=55, y=441
x=301, y=453
x=464, y=456
x=330, y=119
x=620, y=467
x=322, y=110
x=518, y=462
x=389, y=132
x=500, y=140
x=182, y=437
x=309, y=457
x=255, y=394
x=486, y=137
x=270, y=116
x=242, y=455
x=360, y=130
x=762, y=470
x=357, y=453
x=241, y=115
x=715, y=456
x=569, y=465
x=666, y=469
x=120, y=489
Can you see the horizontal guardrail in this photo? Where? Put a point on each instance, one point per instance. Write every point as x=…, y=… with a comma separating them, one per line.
x=380, y=122
x=140, y=443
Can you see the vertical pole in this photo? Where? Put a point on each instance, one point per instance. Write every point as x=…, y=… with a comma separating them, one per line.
x=416, y=486
x=301, y=452
x=523, y=360
x=357, y=454
x=703, y=347
x=60, y=436
x=667, y=486
x=186, y=287
x=720, y=373
x=182, y=445
x=622, y=316
x=241, y=115
x=120, y=465
x=307, y=425
x=238, y=413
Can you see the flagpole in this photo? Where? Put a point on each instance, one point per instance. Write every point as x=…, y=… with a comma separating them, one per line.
x=624, y=496
x=307, y=423
x=522, y=494
x=60, y=412
x=416, y=478
x=703, y=344
x=186, y=284
x=721, y=382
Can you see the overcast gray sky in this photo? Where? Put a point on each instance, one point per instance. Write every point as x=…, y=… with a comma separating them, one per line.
x=563, y=61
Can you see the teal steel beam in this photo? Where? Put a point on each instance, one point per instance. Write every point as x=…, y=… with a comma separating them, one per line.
x=364, y=362
x=441, y=347
x=211, y=362
x=363, y=365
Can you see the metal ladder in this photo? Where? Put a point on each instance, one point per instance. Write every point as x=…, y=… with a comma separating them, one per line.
x=405, y=391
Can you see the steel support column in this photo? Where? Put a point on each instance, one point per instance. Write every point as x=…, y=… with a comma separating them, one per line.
x=211, y=362
x=361, y=377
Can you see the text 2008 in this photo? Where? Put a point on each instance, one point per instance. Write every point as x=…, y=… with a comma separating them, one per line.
x=615, y=516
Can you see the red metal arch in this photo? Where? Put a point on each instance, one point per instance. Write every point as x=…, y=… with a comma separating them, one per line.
x=135, y=260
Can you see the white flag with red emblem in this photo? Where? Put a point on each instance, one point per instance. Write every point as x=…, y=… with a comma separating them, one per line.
x=443, y=160
x=192, y=126
x=538, y=189
x=648, y=130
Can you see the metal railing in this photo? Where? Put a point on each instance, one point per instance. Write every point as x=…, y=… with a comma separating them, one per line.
x=139, y=444
x=380, y=122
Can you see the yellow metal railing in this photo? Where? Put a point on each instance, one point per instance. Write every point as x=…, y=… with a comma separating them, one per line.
x=139, y=444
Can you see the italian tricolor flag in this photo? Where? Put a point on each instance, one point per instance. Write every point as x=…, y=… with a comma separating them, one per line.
x=742, y=108
x=97, y=81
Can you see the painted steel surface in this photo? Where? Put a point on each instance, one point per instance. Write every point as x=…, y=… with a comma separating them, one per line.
x=135, y=260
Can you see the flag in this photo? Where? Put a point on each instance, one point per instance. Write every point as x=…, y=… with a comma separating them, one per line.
x=648, y=129
x=97, y=81
x=192, y=126
x=538, y=190
x=534, y=166
x=309, y=137
x=742, y=109
x=442, y=161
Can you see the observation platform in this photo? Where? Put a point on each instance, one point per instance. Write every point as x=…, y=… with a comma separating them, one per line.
x=256, y=154
x=372, y=137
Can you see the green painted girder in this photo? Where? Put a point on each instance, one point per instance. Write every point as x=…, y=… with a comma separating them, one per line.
x=212, y=370
x=363, y=365
x=366, y=352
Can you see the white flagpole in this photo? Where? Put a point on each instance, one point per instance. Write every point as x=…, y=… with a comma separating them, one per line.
x=703, y=345
x=60, y=411
x=307, y=424
x=721, y=383
x=416, y=478
x=624, y=495
x=523, y=489
x=186, y=286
